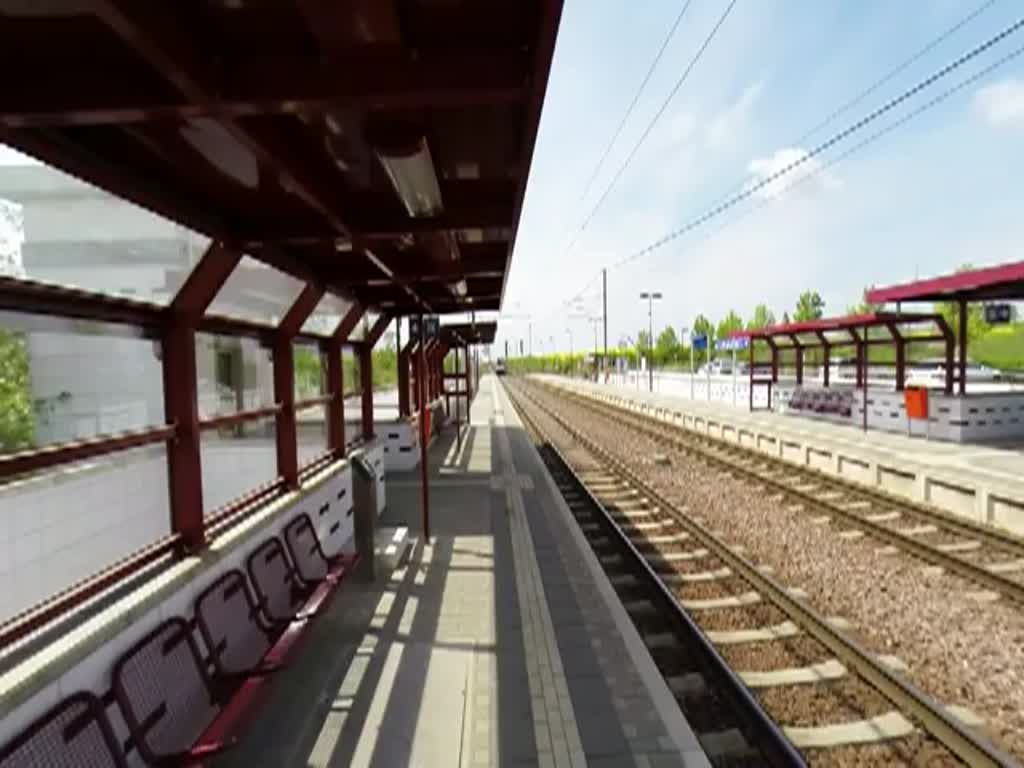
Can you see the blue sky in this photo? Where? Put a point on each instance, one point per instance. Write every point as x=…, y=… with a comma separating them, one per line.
x=942, y=190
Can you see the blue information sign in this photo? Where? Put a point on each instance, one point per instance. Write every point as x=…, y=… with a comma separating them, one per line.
x=699, y=342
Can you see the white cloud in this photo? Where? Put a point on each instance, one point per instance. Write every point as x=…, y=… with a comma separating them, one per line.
x=1001, y=103
x=728, y=125
x=764, y=168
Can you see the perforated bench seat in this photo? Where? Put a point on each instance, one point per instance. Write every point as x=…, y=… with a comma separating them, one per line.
x=179, y=707
x=74, y=734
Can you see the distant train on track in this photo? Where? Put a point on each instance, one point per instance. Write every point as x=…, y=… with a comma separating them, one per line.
x=499, y=366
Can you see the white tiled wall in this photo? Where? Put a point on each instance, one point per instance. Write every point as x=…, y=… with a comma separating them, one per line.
x=334, y=526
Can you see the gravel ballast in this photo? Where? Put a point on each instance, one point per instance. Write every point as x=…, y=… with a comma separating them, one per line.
x=959, y=648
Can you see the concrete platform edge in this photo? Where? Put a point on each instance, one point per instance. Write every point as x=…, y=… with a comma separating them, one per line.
x=661, y=697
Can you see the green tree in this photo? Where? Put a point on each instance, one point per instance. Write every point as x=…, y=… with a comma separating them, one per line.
x=950, y=310
x=643, y=342
x=810, y=306
x=762, y=317
x=731, y=322
x=17, y=425
x=703, y=327
x=666, y=348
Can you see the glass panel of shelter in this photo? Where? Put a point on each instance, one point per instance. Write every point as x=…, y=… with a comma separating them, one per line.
x=55, y=228
x=327, y=315
x=256, y=291
x=310, y=420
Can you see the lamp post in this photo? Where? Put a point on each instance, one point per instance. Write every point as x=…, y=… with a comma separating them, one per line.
x=650, y=296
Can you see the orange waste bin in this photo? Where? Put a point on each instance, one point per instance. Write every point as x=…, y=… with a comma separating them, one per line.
x=916, y=400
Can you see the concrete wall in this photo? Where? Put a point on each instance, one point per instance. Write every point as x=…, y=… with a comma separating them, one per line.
x=979, y=417
x=987, y=414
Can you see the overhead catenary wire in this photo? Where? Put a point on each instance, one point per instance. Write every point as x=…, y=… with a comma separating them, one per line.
x=748, y=191
x=876, y=136
x=636, y=98
x=752, y=189
x=653, y=121
x=887, y=77
x=901, y=67
x=849, y=104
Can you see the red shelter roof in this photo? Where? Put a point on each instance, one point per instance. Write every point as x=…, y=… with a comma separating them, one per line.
x=379, y=148
x=847, y=322
x=1005, y=281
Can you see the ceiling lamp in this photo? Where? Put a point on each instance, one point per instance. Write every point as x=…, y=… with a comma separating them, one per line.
x=459, y=287
x=411, y=170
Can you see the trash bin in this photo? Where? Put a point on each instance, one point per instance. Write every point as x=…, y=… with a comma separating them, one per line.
x=916, y=401
x=364, y=510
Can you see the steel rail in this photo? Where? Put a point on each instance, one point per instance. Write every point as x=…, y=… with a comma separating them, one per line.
x=768, y=737
x=972, y=748
x=978, y=574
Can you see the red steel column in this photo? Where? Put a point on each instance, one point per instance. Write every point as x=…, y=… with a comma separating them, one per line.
x=458, y=404
x=421, y=364
x=184, y=468
x=859, y=357
x=947, y=334
x=962, y=364
x=403, y=381
x=336, y=406
x=181, y=401
x=901, y=358
x=287, y=433
x=366, y=384
x=826, y=357
x=284, y=396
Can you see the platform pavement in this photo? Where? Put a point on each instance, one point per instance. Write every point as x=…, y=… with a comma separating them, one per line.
x=498, y=643
x=984, y=482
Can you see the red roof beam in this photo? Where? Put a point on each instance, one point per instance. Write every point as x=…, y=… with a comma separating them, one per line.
x=274, y=85
x=1005, y=281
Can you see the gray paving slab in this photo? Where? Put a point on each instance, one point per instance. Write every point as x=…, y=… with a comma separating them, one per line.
x=478, y=650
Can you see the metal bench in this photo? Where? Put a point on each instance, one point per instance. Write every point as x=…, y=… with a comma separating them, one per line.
x=73, y=734
x=280, y=589
x=233, y=627
x=167, y=698
x=304, y=547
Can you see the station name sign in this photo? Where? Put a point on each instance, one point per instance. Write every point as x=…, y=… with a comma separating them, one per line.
x=424, y=328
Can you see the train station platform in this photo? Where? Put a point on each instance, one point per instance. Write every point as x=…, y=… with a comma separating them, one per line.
x=498, y=642
x=984, y=482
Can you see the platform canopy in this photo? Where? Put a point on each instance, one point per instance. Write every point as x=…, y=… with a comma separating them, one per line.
x=377, y=147
x=457, y=334
x=1002, y=283
x=849, y=323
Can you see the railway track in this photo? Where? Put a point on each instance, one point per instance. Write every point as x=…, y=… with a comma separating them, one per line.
x=991, y=558
x=640, y=535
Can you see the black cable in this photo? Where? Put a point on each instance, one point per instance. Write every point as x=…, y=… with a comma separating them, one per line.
x=877, y=135
x=661, y=110
x=897, y=70
x=752, y=189
x=636, y=98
